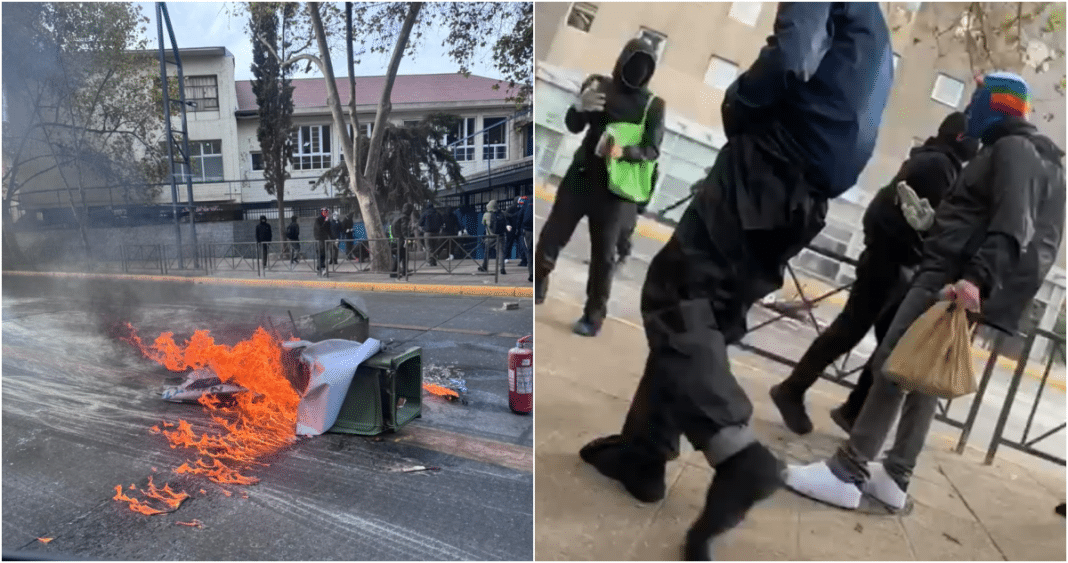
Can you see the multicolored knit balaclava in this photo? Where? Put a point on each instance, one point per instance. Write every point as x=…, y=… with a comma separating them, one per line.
x=997, y=96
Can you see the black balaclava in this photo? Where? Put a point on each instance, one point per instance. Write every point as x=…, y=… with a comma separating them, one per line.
x=953, y=133
x=635, y=65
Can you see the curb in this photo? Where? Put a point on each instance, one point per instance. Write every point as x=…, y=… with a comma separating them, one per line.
x=662, y=233
x=439, y=289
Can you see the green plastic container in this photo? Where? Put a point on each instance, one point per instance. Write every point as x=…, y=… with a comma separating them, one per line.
x=385, y=394
x=347, y=321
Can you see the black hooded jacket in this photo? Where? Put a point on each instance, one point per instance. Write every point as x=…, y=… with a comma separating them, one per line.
x=622, y=104
x=930, y=171
x=1000, y=225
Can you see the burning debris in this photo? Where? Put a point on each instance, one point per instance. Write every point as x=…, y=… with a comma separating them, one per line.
x=198, y=383
x=446, y=382
x=248, y=425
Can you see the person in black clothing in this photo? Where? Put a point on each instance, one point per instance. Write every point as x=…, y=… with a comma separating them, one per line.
x=584, y=191
x=514, y=239
x=430, y=223
x=626, y=234
x=891, y=246
x=528, y=235
x=801, y=124
x=322, y=234
x=335, y=236
x=346, y=233
x=993, y=241
x=263, y=237
x=400, y=230
x=293, y=236
x=452, y=230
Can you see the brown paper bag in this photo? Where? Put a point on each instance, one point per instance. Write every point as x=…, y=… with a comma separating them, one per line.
x=934, y=356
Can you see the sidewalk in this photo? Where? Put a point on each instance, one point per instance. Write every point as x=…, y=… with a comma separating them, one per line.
x=962, y=509
x=465, y=280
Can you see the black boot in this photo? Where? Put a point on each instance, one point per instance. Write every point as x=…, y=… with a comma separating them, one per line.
x=843, y=418
x=642, y=476
x=1059, y=509
x=792, y=409
x=541, y=288
x=741, y=481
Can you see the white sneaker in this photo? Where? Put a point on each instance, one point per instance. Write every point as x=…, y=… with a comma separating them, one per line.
x=816, y=481
x=883, y=487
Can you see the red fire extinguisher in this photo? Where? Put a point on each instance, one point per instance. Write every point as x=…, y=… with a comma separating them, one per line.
x=521, y=376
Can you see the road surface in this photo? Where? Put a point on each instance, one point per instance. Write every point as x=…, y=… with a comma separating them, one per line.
x=77, y=406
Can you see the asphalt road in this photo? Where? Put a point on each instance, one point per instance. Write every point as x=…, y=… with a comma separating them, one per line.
x=790, y=339
x=77, y=406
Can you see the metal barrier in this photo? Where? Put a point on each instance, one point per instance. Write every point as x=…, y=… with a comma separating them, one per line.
x=450, y=253
x=943, y=413
x=136, y=257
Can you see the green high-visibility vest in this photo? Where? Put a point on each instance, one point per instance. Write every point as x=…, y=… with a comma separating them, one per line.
x=632, y=181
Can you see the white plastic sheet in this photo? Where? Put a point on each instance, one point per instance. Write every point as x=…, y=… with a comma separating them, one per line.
x=332, y=365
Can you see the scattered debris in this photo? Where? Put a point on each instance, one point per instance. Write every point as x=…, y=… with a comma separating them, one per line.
x=416, y=468
x=445, y=381
x=194, y=524
x=45, y=540
x=198, y=383
x=951, y=538
x=203, y=492
x=510, y=306
x=858, y=528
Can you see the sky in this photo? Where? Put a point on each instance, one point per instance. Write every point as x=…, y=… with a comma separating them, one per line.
x=208, y=24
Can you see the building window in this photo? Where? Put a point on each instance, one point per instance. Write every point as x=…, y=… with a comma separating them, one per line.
x=494, y=138
x=947, y=90
x=581, y=15
x=203, y=91
x=528, y=149
x=721, y=73
x=313, y=148
x=745, y=12
x=462, y=141
x=656, y=39
x=205, y=158
x=257, y=161
x=411, y=123
x=365, y=129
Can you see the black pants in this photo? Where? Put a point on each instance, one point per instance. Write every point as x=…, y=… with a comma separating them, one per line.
x=582, y=196
x=698, y=290
x=528, y=240
x=400, y=257
x=514, y=240
x=626, y=233
x=322, y=254
x=878, y=288
x=266, y=248
x=294, y=251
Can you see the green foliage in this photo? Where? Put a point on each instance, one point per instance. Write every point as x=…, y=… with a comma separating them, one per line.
x=414, y=161
x=274, y=91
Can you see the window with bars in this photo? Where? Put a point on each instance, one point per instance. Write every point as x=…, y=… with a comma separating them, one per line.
x=494, y=138
x=655, y=38
x=745, y=12
x=464, y=149
x=205, y=159
x=581, y=15
x=721, y=73
x=203, y=91
x=313, y=148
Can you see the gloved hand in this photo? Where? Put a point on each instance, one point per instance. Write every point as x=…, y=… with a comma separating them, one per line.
x=917, y=211
x=964, y=292
x=591, y=100
x=508, y=228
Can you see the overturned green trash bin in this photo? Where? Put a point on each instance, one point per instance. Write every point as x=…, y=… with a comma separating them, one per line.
x=385, y=394
x=347, y=321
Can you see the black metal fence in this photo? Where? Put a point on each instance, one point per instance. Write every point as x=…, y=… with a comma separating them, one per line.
x=841, y=374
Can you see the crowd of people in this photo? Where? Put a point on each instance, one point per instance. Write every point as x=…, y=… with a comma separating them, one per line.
x=975, y=216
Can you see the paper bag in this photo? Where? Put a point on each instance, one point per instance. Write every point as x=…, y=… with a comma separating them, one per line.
x=934, y=356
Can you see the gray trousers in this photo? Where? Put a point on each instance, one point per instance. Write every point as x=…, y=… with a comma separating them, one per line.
x=884, y=402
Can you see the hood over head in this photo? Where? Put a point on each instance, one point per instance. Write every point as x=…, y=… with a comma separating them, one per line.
x=263, y=218
x=635, y=65
x=492, y=205
x=997, y=96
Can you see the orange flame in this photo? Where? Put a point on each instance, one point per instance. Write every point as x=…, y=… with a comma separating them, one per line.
x=254, y=424
x=440, y=391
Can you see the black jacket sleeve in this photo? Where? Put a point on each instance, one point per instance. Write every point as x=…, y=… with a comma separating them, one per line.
x=576, y=120
x=649, y=149
x=1012, y=214
x=794, y=52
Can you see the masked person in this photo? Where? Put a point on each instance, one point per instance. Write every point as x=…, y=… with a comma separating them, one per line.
x=626, y=234
x=801, y=124
x=322, y=234
x=263, y=236
x=994, y=239
x=293, y=236
x=892, y=245
x=496, y=227
x=400, y=229
x=622, y=107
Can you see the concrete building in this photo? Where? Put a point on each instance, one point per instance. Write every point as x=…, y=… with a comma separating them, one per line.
x=493, y=141
x=701, y=49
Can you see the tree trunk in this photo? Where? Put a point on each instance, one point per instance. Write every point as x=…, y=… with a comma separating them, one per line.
x=380, y=253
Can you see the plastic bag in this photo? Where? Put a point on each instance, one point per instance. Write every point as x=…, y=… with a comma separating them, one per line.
x=934, y=356
x=332, y=364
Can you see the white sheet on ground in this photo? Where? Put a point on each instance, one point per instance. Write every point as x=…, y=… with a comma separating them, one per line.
x=332, y=365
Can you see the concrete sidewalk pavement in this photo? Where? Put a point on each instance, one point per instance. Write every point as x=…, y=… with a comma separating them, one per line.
x=961, y=510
